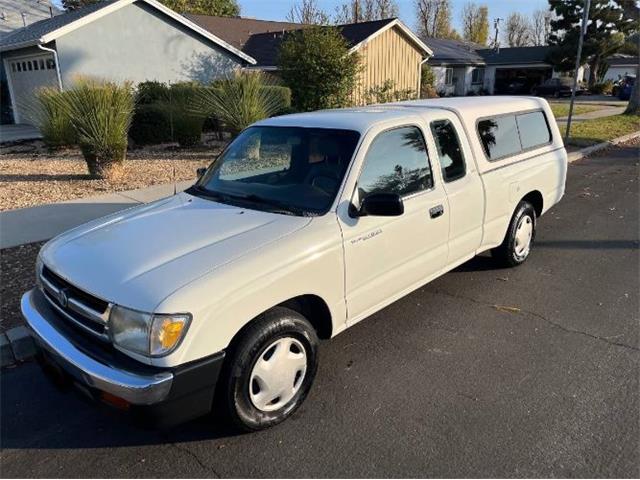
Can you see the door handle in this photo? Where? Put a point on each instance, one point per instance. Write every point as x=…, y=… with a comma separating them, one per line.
x=436, y=211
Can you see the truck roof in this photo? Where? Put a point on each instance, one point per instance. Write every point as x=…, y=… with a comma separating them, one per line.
x=362, y=118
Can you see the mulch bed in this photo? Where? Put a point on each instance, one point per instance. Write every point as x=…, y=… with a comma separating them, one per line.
x=30, y=175
x=17, y=275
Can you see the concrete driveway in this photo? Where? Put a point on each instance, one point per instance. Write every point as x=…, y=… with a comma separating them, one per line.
x=444, y=383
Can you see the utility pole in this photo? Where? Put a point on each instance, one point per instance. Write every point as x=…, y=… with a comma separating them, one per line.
x=583, y=32
x=496, y=41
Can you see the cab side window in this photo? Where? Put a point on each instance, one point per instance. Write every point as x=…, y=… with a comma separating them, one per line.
x=449, y=150
x=396, y=162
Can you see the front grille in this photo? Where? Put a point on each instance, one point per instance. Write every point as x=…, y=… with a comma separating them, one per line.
x=78, y=307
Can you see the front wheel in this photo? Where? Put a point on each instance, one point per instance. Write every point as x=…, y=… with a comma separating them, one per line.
x=516, y=247
x=270, y=370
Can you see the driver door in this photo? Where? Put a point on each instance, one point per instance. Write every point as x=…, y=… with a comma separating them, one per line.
x=387, y=257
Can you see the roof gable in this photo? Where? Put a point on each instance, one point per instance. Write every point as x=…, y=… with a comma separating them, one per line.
x=48, y=30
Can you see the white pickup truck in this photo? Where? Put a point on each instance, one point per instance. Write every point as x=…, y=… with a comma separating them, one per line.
x=216, y=298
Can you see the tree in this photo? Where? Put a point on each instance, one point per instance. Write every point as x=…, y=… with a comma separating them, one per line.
x=356, y=11
x=218, y=8
x=475, y=23
x=434, y=19
x=609, y=22
x=541, y=27
x=517, y=31
x=308, y=12
x=75, y=4
x=316, y=65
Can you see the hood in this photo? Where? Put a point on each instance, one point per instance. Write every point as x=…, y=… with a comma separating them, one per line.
x=138, y=257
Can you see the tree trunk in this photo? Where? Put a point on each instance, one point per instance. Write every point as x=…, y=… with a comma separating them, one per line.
x=593, y=71
x=634, y=101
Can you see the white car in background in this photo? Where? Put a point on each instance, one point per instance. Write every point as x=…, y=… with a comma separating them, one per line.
x=306, y=224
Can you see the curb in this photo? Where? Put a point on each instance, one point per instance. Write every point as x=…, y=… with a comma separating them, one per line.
x=16, y=345
x=585, y=152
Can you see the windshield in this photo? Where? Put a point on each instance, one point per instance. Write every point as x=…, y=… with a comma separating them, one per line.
x=282, y=169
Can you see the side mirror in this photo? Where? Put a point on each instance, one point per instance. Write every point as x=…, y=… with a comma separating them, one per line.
x=381, y=205
x=200, y=172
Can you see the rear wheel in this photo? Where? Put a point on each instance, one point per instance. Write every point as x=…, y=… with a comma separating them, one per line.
x=516, y=247
x=271, y=370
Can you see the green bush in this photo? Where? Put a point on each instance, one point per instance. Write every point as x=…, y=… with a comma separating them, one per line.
x=315, y=63
x=101, y=114
x=284, y=94
x=151, y=124
x=387, y=92
x=151, y=92
x=241, y=100
x=52, y=119
x=186, y=126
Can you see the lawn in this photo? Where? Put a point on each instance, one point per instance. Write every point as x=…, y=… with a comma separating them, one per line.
x=599, y=130
x=562, y=109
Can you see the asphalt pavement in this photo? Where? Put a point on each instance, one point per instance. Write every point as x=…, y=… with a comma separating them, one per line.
x=527, y=372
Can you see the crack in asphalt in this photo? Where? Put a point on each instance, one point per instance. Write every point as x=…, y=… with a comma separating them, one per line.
x=193, y=455
x=543, y=318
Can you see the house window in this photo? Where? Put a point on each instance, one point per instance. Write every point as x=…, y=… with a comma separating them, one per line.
x=448, y=76
x=24, y=66
x=41, y=64
x=35, y=65
x=50, y=64
x=19, y=66
x=29, y=65
x=477, y=76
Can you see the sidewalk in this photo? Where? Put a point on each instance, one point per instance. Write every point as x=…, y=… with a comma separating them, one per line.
x=28, y=225
x=605, y=112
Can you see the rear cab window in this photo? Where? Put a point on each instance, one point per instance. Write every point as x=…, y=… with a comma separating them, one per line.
x=510, y=134
x=449, y=150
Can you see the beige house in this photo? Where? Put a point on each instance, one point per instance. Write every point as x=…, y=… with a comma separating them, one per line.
x=389, y=50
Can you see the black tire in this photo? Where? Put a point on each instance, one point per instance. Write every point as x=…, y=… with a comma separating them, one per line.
x=507, y=253
x=260, y=335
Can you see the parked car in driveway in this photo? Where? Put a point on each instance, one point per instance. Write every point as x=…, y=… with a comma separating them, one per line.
x=556, y=87
x=306, y=224
x=624, y=87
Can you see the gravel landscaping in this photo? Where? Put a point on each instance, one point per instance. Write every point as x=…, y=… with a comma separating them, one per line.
x=30, y=175
x=17, y=267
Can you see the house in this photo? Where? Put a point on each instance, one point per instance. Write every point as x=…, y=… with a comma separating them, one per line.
x=118, y=40
x=388, y=49
x=621, y=65
x=457, y=66
x=463, y=68
x=139, y=40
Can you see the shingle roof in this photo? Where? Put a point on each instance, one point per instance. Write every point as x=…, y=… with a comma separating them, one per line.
x=32, y=33
x=453, y=52
x=515, y=55
x=261, y=39
x=237, y=30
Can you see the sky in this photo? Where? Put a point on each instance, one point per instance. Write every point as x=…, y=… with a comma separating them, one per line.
x=278, y=9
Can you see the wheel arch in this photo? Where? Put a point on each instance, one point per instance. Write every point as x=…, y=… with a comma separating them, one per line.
x=312, y=307
x=535, y=198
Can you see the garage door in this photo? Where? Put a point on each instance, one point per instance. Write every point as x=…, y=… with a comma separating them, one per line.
x=26, y=75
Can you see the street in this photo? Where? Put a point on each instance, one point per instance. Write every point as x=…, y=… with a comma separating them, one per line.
x=485, y=372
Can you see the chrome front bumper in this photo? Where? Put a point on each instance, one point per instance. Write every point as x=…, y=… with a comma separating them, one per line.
x=135, y=388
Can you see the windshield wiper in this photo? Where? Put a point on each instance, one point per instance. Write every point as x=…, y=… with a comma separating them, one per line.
x=279, y=207
x=276, y=206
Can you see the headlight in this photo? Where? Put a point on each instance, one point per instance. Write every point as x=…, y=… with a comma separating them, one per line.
x=149, y=334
